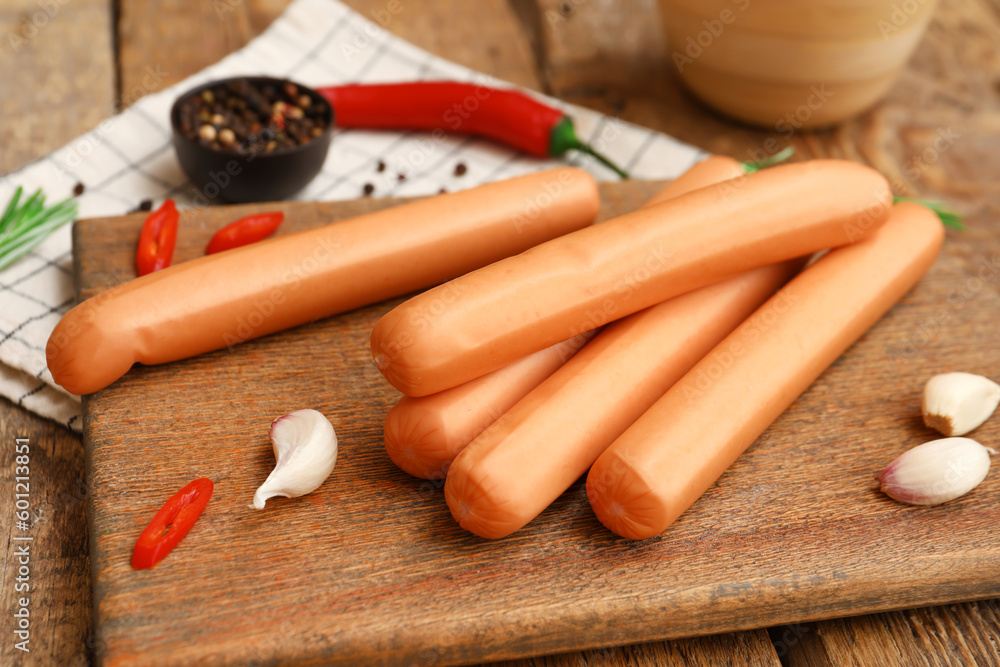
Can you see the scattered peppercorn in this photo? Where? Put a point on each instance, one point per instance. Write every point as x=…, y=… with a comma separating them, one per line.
x=380, y=167
x=461, y=169
x=78, y=189
x=368, y=189
x=144, y=206
x=400, y=176
x=442, y=191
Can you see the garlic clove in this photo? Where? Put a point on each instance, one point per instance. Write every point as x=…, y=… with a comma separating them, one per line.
x=305, y=447
x=956, y=403
x=936, y=471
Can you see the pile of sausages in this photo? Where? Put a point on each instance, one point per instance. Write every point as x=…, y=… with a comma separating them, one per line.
x=651, y=349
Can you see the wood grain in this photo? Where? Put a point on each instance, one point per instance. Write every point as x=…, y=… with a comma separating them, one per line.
x=484, y=35
x=952, y=636
x=161, y=32
x=747, y=649
x=175, y=39
x=58, y=83
x=596, y=44
x=778, y=539
x=263, y=12
x=58, y=577
x=52, y=60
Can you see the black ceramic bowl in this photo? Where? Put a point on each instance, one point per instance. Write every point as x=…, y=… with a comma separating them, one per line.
x=244, y=174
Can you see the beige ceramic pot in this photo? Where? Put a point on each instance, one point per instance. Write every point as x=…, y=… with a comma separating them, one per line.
x=790, y=64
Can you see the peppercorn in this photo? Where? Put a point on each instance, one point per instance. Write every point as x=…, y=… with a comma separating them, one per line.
x=207, y=132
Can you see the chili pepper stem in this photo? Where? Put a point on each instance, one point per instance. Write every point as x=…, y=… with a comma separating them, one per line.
x=563, y=138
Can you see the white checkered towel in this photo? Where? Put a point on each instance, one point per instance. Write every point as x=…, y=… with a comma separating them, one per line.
x=129, y=158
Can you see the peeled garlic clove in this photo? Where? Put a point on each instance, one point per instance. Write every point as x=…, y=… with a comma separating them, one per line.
x=956, y=403
x=936, y=471
x=305, y=447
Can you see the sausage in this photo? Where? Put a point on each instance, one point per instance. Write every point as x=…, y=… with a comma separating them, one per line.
x=423, y=435
x=713, y=169
x=585, y=279
x=520, y=465
x=220, y=300
x=672, y=454
x=534, y=452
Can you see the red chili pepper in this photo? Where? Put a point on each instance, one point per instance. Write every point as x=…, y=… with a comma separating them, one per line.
x=171, y=523
x=507, y=116
x=246, y=230
x=157, y=239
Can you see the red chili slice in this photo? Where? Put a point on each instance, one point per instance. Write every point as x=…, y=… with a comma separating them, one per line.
x=157, y=239
x=171, y=523
x=246, y=230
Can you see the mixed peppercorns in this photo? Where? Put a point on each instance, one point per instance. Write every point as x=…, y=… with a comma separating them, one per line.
x=243, y=116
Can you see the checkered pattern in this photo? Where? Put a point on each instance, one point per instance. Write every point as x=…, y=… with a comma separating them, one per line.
x=128, y=158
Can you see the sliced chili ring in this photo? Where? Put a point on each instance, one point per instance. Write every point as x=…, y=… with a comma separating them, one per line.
x=171, y=523
x=157, y=239
x=244, y=231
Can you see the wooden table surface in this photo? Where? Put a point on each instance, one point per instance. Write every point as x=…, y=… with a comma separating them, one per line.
x=84, y=59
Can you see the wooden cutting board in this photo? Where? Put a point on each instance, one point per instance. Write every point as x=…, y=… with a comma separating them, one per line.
x=371, y=568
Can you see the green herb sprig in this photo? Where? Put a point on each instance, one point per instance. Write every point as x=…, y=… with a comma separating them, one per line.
x=24, y=225
x=777, y=158
x=948, y=217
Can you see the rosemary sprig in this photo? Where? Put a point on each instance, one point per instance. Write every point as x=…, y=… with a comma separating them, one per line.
x=24, y=225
